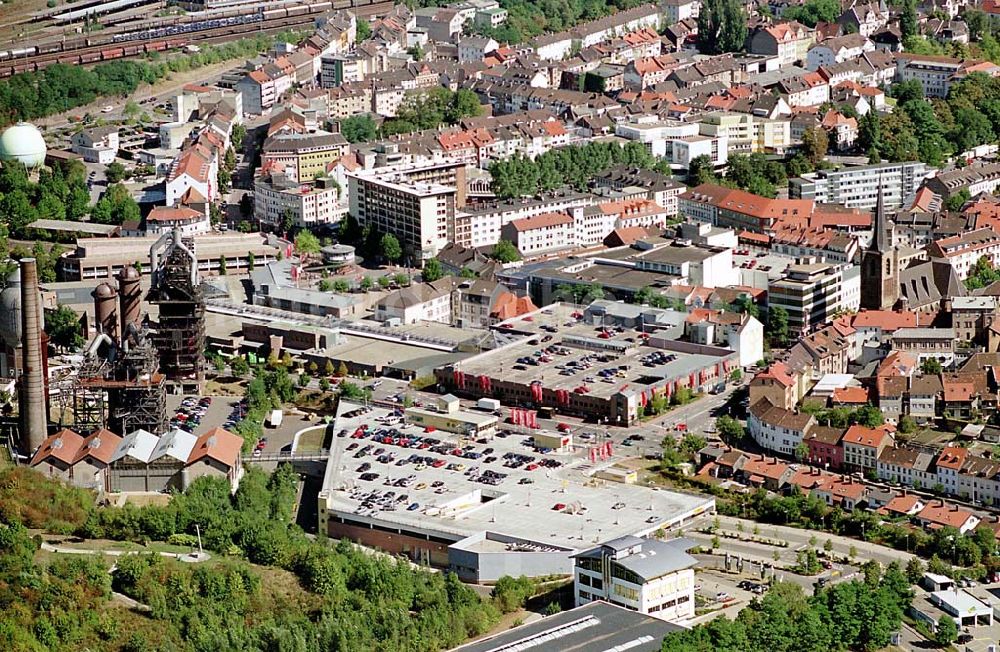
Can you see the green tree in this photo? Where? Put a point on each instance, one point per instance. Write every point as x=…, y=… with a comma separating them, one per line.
x=815, y=144
x=366, y=283
x=115, y=172
x=504, y=251
x=341, y=285
x=722, y=27
x=956, y=201
x=239, y=366
x=390, y=247
x=306, y=244
x=731, y=430
x=777, y=325
x=510, y=594
x=432, y=271
x=930, y=366
x=364, y=30
x=359, y=128
x=907, y=425
x=946, y=632
x=701, y=170
x=813, y=11
x=63, y=327
x=908, y=20
x=116, y=206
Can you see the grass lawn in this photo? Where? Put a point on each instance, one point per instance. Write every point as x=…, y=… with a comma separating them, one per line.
x=312, y=441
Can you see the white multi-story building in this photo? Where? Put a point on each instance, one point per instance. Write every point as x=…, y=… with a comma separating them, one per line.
x=963, y=250
x=312, y=203
x=419, y=302
x=812, y=293
x=684, y=150
x=837, y=49
x=936, y=74
x=777, y=429
x=540, y=234
x=649, y=576
x=860, y=186
x=481, y=225
x=97, y=145
x=657, y=135
x=416, y=204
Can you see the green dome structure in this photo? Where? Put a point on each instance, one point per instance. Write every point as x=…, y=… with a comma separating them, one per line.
x=24, y=143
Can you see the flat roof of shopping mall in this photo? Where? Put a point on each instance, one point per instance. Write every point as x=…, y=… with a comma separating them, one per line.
x=465, y=507
x=556, y=374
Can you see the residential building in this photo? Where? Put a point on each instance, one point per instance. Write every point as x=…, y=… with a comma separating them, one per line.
x=860, y=186
x=164, y=219
x=963, y=251
x=777, y=429
x=649, y=576
x=415, y=203
x=540, y=234
x=789, y=42
x=937, y=343
x=779, y=385
x=195, y=168
x=303, y=157
x=976, y=179
x=278, y=198
x=906, y=466
x=739, y=331
x=96, y=145
x=949, y=463
x=738, y=209
x=939, y=514
x=863, y=446
x=936, y=74
x=972, y=317
x=418, y=302
x=837, y=49
x=824, y=449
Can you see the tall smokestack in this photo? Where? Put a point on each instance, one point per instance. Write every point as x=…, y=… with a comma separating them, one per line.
x=130, y=297
x=106, y=310
x=34, y=420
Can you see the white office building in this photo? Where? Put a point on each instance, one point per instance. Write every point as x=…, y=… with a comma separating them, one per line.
x=859, y=186
x=652, y=577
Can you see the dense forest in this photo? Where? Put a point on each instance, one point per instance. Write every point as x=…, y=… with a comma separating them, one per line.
x=268, y=586
x=856, y=615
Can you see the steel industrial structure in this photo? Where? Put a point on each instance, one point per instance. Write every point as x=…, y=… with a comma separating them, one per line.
x=118, y=385
x=179, y=334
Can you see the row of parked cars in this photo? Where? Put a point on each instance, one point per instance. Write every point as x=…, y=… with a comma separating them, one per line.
x=189, y=414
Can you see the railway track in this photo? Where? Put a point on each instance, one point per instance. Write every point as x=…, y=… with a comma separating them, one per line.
x=83, y=54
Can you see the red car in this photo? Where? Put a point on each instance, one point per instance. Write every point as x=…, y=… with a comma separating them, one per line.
x=558, y=507
x=437, y=464
x=531, y=467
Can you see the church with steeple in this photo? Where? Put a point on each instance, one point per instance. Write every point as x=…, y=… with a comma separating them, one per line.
x=879, y=265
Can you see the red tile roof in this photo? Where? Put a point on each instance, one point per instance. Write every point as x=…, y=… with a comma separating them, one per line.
x=861, y=436
x=219, y=445
x=855, y=395
x=942, y=514
x=887, y=320
x=63, y=446
x=100, y=445
x=952, y=457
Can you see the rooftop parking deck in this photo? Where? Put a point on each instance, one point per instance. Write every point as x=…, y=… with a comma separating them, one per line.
x=440, y=485
x=563, y=351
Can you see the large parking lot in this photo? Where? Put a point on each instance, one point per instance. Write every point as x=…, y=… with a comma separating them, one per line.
x=381, y=470
x=201, y=414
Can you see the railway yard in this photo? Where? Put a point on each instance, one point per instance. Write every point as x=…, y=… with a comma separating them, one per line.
x=128, y=30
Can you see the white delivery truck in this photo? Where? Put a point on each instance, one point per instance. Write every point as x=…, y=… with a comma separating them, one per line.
x=490, y=404
x=275, y=419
